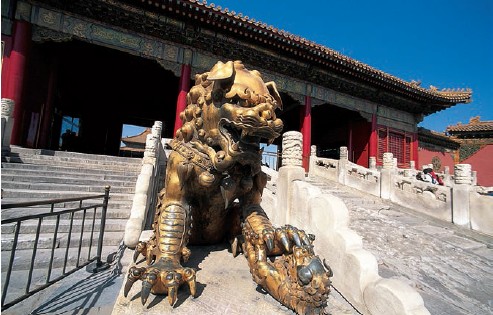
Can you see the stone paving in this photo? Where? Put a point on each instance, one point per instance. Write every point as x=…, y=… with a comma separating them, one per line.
x=224, y=286
x=450, y=266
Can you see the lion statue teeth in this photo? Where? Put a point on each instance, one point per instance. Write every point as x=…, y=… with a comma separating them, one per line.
x=213, y=190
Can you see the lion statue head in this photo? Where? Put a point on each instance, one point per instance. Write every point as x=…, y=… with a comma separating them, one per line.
x=229, y=112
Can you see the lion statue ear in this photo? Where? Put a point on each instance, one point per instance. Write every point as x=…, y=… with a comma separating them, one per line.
x=221, y=71
x=222, y=75
x=271, y=86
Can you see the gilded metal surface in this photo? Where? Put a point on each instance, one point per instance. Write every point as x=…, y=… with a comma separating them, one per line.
x=213, y=190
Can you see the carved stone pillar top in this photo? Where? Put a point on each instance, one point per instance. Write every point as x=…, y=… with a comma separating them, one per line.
x=7, y=107
x=157, y=129
x=412, y=165
x=313, y=150
x=388, y=160
x=373, y=163
x=462, y=174
x=292, y=148
x=343, y=153
x=152, y=140
x=394, y=162
x=446, y=170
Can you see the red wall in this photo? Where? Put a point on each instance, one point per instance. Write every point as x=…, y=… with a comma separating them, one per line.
x=482, y=162
x=425, y=156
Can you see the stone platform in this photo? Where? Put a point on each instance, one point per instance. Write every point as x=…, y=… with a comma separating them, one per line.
x=224, y=286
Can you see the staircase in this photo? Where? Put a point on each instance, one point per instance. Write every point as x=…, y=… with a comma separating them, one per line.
x=34, y=175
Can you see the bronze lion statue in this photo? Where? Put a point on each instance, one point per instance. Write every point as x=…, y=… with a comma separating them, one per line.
x=213, y=190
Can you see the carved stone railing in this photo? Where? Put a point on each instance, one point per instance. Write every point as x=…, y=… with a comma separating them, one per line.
x=458, y=200
x=149, y=182
x=294, y=201
x=431, y=199
x=363, y=178
x=324, y=167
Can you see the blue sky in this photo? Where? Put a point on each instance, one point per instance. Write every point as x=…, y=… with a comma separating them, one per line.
x=447, y=44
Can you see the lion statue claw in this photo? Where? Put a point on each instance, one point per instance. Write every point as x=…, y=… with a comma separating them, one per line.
x=213, y=190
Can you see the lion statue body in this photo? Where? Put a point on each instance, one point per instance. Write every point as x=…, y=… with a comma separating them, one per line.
x=213, y=189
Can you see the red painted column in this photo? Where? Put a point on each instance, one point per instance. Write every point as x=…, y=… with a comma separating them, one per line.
x=372, y=145
x=415, y=150
x=306, y=131
x=181, y=102
x=15, y=76
x=350, y=142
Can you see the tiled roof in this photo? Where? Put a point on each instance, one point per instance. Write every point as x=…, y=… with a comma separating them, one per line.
x=140, y=138
x=474, y=125
x=301, y=47
x=439, y=138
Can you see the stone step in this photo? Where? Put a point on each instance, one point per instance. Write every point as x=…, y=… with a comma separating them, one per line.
x=45, y=241
x=113, y=205
x=16, y=150
x=81, y=169
x=22, y=258
x=87, y=164
x=65, y=187
x=49, y=194
x=48, y=225
x=111, y=213
x=74, y=178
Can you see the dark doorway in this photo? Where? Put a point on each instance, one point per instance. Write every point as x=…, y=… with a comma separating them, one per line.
x=333, y=127
x=104, y=88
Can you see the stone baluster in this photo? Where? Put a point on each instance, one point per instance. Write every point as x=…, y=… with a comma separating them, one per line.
x=462, y=174
x=7, y=122
x=343, y=161
x=386, y=175
x=152, y=142
x=412, y=165
x=388, y=160
x=446, y=176
x=474, y=178
x=291, y=170
x=343, y=153
x=373, y=163
x=460, y=194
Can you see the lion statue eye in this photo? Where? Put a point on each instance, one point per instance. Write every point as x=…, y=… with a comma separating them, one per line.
x=239, y=102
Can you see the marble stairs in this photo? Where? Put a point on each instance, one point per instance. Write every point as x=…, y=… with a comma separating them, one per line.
x=34, y=174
